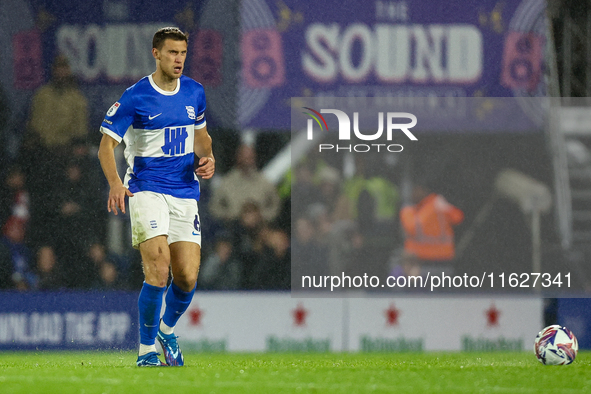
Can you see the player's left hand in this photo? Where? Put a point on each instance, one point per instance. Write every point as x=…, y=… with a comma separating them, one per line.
x=206, y=167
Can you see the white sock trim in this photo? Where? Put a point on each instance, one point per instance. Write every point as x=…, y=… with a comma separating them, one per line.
x=165, y=329
x=145, y=349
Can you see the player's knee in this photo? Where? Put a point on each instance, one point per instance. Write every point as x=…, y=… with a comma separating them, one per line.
x=156, y=269
x=186, y=281
x=156, y=275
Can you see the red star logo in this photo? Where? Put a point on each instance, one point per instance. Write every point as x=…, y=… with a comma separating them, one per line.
x=492, y=316
x=299, y=316
x=195, y=315
x=392, y=315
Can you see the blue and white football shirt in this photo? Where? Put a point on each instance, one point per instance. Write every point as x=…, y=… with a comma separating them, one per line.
x=158, y=130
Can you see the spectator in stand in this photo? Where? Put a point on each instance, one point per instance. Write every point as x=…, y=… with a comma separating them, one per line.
x=310, y=257
x=77, y=221
x=14, y=197
x=87, y=160
x=242, y=184
x=15, y=257
x=108, y=268
x=304, y=192
x=14, y=218
x=108, y=277
x=59, y=112
x=331, y=194
x=48, y=275
x=247, y=232
x=355, y=252
x=429, y=229
x=272, y=271
x=373, y=199
x=222, y=270
x=322, y=221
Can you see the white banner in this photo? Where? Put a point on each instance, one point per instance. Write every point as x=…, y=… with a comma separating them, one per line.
x=275, y=322
x=416, y=324
x=261, y=322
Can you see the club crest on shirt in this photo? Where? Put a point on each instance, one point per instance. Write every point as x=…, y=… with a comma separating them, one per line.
x=190, y=112
x=113, y=109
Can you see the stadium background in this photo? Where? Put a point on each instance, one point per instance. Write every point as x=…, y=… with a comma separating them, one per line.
x=249, y=57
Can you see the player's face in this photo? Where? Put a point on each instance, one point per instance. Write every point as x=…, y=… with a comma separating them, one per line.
x=172, y=57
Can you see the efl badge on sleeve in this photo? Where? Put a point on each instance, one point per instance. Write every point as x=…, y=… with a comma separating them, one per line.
x=113, y=109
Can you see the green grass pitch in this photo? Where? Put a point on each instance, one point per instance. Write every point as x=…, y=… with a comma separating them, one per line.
x=115, y=372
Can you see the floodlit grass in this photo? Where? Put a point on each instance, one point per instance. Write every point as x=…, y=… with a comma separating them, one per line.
x=115, y=372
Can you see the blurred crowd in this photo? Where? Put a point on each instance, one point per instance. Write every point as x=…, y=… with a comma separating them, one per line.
x=55, y=223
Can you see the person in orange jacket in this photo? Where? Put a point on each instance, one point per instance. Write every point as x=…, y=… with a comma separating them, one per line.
x=428, y=228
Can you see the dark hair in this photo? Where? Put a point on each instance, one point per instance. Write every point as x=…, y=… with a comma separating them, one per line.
x=174, y=33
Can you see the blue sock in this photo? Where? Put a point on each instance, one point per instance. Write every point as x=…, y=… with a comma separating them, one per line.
x=149, y=304
x=177, y=302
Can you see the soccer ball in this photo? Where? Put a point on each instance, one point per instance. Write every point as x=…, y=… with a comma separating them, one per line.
x=556, y=345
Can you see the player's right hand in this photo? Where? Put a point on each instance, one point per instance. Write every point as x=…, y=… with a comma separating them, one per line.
x=117, y=198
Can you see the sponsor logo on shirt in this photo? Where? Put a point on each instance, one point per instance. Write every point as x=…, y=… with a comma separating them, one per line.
x=174, y=141
x=113, y=109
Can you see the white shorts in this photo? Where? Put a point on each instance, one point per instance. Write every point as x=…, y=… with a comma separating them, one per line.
x=154, y=214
